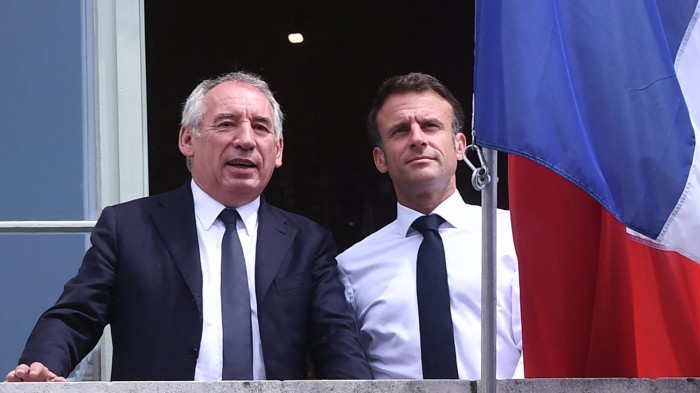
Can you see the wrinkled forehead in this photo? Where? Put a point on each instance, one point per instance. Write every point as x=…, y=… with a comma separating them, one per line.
x=239, y=98
x=415, y=105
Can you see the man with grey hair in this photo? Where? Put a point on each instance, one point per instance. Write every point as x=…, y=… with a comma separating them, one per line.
x=209, y=281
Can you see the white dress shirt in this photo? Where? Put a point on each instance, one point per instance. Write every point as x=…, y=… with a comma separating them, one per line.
x=210, y=232
x=380, y=278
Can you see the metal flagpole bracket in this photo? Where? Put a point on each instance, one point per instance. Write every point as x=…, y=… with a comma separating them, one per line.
x=480, y=175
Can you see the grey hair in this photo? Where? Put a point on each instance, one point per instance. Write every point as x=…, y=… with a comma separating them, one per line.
x=193, y=109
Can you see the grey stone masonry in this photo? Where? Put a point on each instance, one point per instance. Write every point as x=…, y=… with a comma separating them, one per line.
x=615, y=385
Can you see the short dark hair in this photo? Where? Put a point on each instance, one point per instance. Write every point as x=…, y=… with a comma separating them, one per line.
x=414, y=82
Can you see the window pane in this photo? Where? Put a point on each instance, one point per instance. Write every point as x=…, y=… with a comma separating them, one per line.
x=33, y=269
x=45, y=107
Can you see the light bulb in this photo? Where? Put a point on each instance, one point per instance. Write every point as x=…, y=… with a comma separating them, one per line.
x=295, y=38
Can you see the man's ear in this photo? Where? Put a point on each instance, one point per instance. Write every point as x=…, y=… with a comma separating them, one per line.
x=185, y=142
x=379, y=159
x=460, y=145
x=280, y=148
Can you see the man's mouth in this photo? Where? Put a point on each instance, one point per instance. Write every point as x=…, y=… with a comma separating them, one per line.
x=421, y=158
x=239, y=163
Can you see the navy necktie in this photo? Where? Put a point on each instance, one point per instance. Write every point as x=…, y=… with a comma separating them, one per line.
x=437, y=343
x=235, y=304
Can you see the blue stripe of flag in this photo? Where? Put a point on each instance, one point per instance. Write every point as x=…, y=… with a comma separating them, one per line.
x=588, y=88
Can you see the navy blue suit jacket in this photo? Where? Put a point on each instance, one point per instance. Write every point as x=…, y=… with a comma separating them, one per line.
x=142, y=275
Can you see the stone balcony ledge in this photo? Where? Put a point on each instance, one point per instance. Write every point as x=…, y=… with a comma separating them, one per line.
x=613, y=385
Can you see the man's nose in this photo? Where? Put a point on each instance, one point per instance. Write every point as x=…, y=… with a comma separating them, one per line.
x=244, y=138
x=416, y=135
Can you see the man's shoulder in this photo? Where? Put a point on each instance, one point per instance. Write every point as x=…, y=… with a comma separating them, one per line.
x=180, y=194
x=296, y=220
x=475, y=212
x=369, y=244
x=180, y=198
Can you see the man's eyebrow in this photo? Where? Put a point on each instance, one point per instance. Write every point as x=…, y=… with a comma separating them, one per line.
x=263, y=119
x=232, y=116
x=224, y=116
x=430, y=119
x=398, y=124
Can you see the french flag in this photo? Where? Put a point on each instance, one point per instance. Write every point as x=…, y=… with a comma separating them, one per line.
x=600, y=102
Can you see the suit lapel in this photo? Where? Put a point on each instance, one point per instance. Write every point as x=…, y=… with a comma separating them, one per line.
x=275, y=237
x=174, y=220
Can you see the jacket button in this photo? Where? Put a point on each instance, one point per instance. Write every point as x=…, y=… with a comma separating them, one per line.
x=194, y=352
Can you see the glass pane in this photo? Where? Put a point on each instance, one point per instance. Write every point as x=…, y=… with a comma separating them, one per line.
x=46, y=83
x=33, y=269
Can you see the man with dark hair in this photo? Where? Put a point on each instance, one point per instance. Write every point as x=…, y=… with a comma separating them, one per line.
x=416, y=283
x=209, y=281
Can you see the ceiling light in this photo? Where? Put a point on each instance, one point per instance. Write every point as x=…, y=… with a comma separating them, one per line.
x=295, y=38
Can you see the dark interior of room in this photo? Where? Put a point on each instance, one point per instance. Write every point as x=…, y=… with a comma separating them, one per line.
x=325, y=86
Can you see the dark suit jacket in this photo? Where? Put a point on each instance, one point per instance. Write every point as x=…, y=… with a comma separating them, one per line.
x=142, y=275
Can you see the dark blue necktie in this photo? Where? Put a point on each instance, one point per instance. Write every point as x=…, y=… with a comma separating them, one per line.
x=437, y=342
x=235, y=304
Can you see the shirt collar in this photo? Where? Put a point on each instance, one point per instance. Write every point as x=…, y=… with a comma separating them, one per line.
x=453, y=210
x=207, y=209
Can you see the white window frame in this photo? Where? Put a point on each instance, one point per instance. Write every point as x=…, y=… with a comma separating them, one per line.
x=116, y=91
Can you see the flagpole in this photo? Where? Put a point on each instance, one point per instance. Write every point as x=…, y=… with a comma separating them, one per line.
x=488, y=276
x=489, y=199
